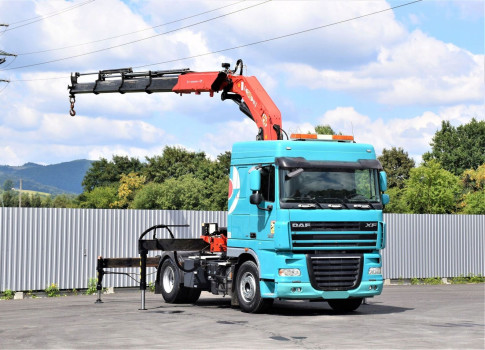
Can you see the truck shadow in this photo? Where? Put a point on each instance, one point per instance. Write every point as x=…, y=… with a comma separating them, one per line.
x=306, y=308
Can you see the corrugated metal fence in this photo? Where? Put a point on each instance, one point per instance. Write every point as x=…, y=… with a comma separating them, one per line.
x=43, y=246
x=434, y=245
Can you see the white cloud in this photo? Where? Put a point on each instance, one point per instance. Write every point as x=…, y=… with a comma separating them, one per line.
x=420, y=70
x=413, y=135
x=373, y=58
x=470, y=9
x=9, y=156
x=108, y=152
x=226, y=134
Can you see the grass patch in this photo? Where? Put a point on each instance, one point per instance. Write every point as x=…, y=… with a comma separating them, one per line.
x=52, y=291
x=429, y=280
x=467, y=279
x=8, y=295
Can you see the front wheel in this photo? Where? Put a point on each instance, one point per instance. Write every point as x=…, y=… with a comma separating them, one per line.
x=345, y=305
x=247, y=288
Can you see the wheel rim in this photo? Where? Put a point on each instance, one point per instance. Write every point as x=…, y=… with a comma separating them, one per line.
x=168, y=279
x=247, y=286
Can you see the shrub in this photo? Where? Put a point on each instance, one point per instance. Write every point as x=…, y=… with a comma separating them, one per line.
x=92, y=282
x=8, y=294
x=433, y=280
x=468, y=279
x=52, y=291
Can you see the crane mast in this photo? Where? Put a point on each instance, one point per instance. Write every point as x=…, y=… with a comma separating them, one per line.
x=245, y=91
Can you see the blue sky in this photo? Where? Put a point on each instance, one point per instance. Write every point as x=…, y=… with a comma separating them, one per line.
x=390, y=78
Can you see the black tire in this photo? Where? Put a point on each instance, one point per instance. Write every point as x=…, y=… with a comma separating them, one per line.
x=345, y=305
x=170, y=282
x=172, y=290
x=247, y=288
x=191, y=295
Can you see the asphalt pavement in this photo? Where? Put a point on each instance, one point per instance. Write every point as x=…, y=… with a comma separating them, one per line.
x=403, y=317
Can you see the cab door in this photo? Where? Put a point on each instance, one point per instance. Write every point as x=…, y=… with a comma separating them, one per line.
x=264, y=214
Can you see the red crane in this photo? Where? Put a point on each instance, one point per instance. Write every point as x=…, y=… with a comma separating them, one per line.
x=246, y=92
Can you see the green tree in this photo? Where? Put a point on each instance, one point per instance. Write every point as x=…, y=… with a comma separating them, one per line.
x=201, y=183
x=324, y=130
x=129, y=184
x=99, y=198
x=174, y=162
x=473, y=203
x=458, y=148
x=10, y=199
x=431, y=189
x=47, y=202
x=473, y=182
x=36, y=201
x=147, y=197
x=397, y=203
x=65, y=201
x=7, y=185
x=397, y=165
x=183, y=193
x=104, y=172
x=26, y=200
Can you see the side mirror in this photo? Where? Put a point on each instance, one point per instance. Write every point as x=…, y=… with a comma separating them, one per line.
x=385, y=198
x=256, y=198
x=255, y=180
x=383, y=180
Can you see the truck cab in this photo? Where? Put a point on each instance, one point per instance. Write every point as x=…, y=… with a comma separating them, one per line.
x=307, y=213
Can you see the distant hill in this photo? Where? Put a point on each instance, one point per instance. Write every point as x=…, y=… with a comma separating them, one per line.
x=55, y=179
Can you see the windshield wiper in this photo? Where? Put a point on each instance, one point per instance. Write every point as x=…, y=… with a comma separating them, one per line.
x=318, y=202
x=313, y=203
x=361, y=198
x=332, y=200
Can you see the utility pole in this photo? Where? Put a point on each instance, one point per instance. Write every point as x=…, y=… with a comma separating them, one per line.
x=3, y=59
x=20, y=194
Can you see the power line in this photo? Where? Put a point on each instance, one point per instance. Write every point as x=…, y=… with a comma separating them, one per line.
x=130, y=33
x=255, y=42
x=281, y=36
x=40, y=18
x=4, y=81
x=135, y=41
x=12, y=61
x=3, y=25
x=2, y=60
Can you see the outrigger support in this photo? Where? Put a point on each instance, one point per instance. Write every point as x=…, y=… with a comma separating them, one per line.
x=144, y=246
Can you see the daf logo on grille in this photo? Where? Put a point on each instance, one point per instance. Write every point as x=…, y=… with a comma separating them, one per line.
x=301, y=224
x=370, y=224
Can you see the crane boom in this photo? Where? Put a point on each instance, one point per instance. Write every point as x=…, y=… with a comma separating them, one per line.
x=246, y=92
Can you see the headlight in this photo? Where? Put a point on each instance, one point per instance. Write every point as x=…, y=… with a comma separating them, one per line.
x=289, y=272
x=375, y=271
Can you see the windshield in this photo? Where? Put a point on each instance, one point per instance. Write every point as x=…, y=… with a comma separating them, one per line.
x=344, y=188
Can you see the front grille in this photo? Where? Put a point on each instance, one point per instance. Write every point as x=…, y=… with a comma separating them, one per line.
x=334, y=272
x=333, y=225
x=307, y=236
x=334, y=240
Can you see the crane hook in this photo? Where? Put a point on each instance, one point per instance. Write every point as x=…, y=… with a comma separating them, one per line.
x=72, y=100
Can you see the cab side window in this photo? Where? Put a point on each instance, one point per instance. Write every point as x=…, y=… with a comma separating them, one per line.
x=268, y=183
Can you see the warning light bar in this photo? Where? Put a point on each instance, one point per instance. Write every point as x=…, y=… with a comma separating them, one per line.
x=322, y=137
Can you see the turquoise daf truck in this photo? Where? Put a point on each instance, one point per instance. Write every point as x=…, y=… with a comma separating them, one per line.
x=304, y=217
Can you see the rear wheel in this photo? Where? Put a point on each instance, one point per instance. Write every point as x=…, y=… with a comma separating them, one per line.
x=172, y=290
x=170, y=281
x=192, y=295
x=247, y=288
x=345, y=305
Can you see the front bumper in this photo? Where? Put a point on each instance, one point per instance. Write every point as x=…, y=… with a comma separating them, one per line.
x=303, y=290
x=304, y=287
